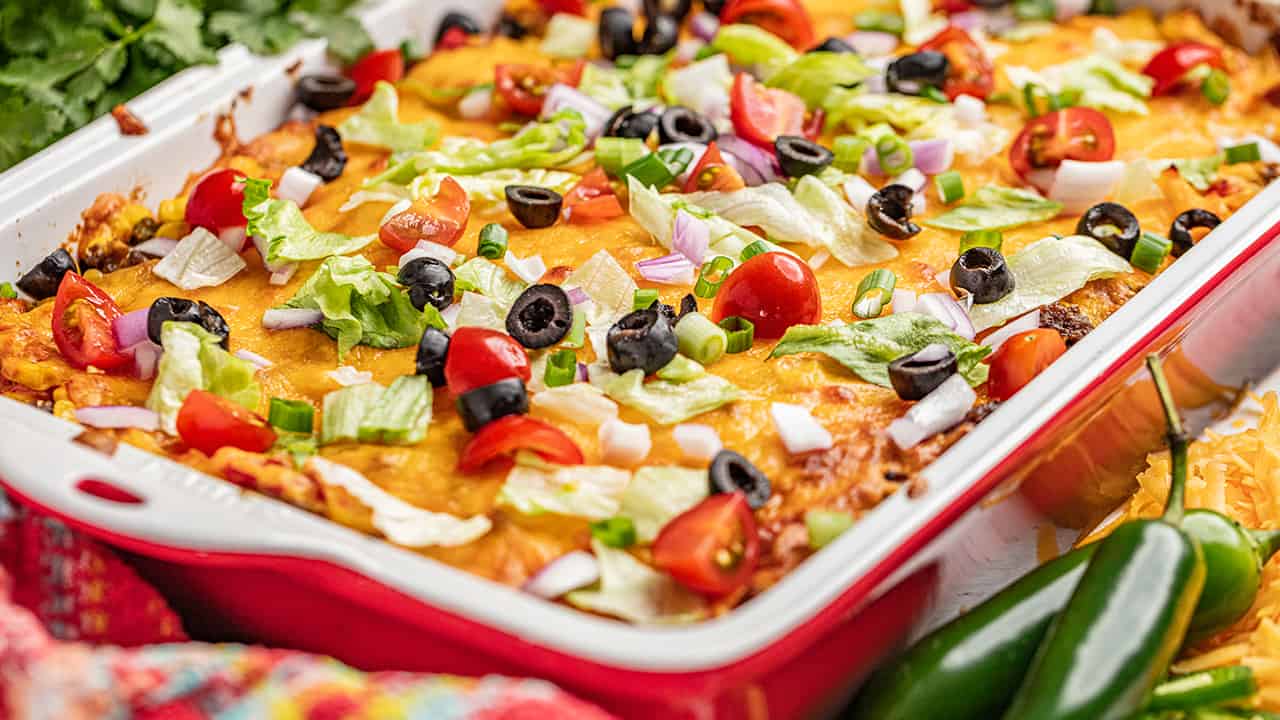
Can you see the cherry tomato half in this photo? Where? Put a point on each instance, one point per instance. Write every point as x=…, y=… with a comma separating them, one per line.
x=1076, y=133
x=217, y=201
x=971, y=70
x=713, y=173
x=760, y=114
x=712, y=547
x=592, y=199
x=524, y=87
x=501, y=438
x=440, y=219
x=83, y=319
x=573, y=7
x=480, y=356
x=785, y=18
x=207, y=422
x=1170, y=66
x=1021, y=358
x=387, y=65
x=774, y=291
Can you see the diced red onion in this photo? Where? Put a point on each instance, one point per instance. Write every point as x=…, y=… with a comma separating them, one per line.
x=623, y=443
x=146, y=356
x=566, y=573
x=704, y=26
x=696, y=441
x=233, y=237
x=931, y=353
x=297, y=185
x=970, y=111
x=530, y=269
x=562, y=96
x=799, y=432
x=1067, y=9
x=869, y=43
x=346, y=375
x=253, y=357
x=940, y=410
x=903, y=301
x=1026, y=323
x=289, y=318
x=476, y=104
x=819, y=258
x=131, y=328
x=582, y=375
x=912, y=178
x=673, y=269
x=156, y=246
x=118, y=417
x=947, y=311
x=933, y=156
x=876, y=84
x=858, y=192
x=577, y=296
x=1081, y=185
x=691, y=237
x=688, y=49
x=760, y=164
x=283, y=275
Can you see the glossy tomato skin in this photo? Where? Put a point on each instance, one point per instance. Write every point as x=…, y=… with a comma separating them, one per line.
x=217, y=201
x=500, y=439
x=386, y=65
x=785, y=18
x=208, y=422
x=480, y=356
x=1076, y=133
x=713, y=173
x=712, y=548
x=83, y=318
x=1020, y=359
x=760, y=114
x=523, y=87
x=1170, y=66
x=573, y=7
x=592, y=199
x=774, y=291
x=971, y=70
x=440, y=219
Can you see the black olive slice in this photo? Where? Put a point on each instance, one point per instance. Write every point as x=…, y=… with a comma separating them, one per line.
x=800, y=156
x=430, y=282
x=835, y=45
x=731, y=472
x=915, y=376
x=660, y=35
x=510, y=27
x=1180, y=230
x=164, y=309
x=433, y=348
x=462, y=21
x=328, y=158
x=641, y=339
x=982, y=272
x=541, y=316
x=676, y=10
x=616, y=33
x=627, y=123
x=487, y=403
x=42, y=281
x=534, y=207
x=688, y=304
x=680, y=124
x=911, y=74
x=889, y=212
x=1112, y=225
x=325, y=92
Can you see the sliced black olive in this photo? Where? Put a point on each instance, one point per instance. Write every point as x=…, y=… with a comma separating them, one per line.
x=911, y=74
x=918, y=374
x=666, y=311
x=642, y=339
x=677, y=10
x=799, y=156
x=432, y=350
x=535, y=207
x=328, y=158
x=487, y=403
x=835, y=45
x=730, y=472
x=627, y=123
x=688, y=304
x=982, y=272
x=889, y=212
x=210, y=320
x=462, y=21
x=660, y=35
x=164, y=309
x=616, y=33
x=430, y=282
x=510, y=27
x=143, y=230
x=680, y=124
x=325, y=92
x=1180, y=230
x=1112, y=225
x=42, y=281
x=540, y=317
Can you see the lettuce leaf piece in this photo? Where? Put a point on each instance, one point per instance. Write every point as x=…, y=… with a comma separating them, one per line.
x=919, y=21
x=487, y=190
x=753, y=45
x=814, y=74
x=401, y=414
x=344, y=409
x=610, y=287
x=666, y=402
x=656, y=213
x=856, y=110
x=476, y=310
x=1199, y=172
x=615, y=87
x=1101, y=81
x=703, y=86
x=199, y=260
x=1046, y=271
x=630, y=590
x=289, y=235
x=361, y=306
x=480, y=275
x=586, y=491
x=194, y=360
x=868, y=346
x=659, y=493
x=993, y=207
x=568, y=36
x=378, y=123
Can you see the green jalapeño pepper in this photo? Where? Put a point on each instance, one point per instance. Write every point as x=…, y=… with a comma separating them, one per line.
x=1234, y=558
x=1129, y=614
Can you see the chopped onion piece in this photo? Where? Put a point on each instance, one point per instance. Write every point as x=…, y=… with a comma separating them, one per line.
x=566, y=573
x=476, y=104
x=869, y=43
x=756, y=165
x=156, y=246
x=577, y=296
x=919, y=204
x=971, y=112
x=1081, y=185
x=443, y=253
x=576, y=403
x=623, y=443
x=931, y=352
x=261, y=245
x=199, y=260
x=691, y=237
x=283, y=275
x=253, y=357
x=697, y=441
x=450, y=314
x=858, y=192
x=233, y=237
x=529, y=269
x=969, y=20
x=146, y=357
x=297, y=185
x=932, y=156
x=118, y=417
x=290, y=318
x=800, y=433
x=1067, y=9
x=562, y=96
x=582, y=375
x=347, y=375
x=673, y=269
x=704, y=26
x=949, y=312
x=131, y=328
x=1026, y=323
x=819, y=258
x=903, y=301
x=913, y=179
x=940, y=410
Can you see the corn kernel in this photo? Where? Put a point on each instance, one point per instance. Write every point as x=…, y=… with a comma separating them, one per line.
x=174, y=230
x=173, y=210
x=122, y=222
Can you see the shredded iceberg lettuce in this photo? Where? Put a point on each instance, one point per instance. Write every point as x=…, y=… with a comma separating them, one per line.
x=288, y=234
x=815, y=74
x=753, y=45
x=588, y=491
x=199, y=260
x=993, y=207
x=659, y=493
x=1101, y=81
x=193, y=359
x=610, y=287
x=378, y=123
x=666, y=402
x=630, y=590
x=480, y=275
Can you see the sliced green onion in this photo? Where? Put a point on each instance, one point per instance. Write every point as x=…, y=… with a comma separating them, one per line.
x=624, y=62
x=849, y=151
x=1216, y=87
x=894, y=155
x=701, y=339
x=931, y=92
x=874, y=292
x=1248, y=152
x=1034, y=9
x=1200, y=689
x=950, y=186
x=879, y=21
x=493, y=241
x=291, y=415
x=825, y=526
x=562, y=368
x=413, y=50
x=705, y=52
x=7, y=291
x=756, y=248
x=615, y=153
x=677, y=159
x=1150, y=251
x=1069, y=97
x=1031, y=94
x=651, y=170
x=644, y=297
x=401, y=414
x=578, y=331
x=711, y=276
x=1103, y=7
x=981, y=238
x=616, y=532
x=742, y=332
x=299, y=446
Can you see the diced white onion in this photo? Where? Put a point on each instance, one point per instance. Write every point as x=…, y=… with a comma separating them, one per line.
x=869, y=43
x=903, y=301
x=297, y=185
x=913, y=179
x=919, y=204
x=566, y=573
x=476, y=104
x=450, y=314
x=800, y=433
x=146, y=358
x=233, y=237
x=283, y=275
x=697, y=441
x=971, y=112
x=290, y=318
x=858, y=192
x=530, y=269
x=156, y=246
x=443, y=253
x=347, y=375
x=253, y=357
x=623, y=443
x=1081, y=185
x=118, y=417
x=1026, y=323
x=819, y=258
x=940, y=410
